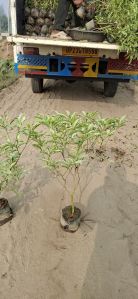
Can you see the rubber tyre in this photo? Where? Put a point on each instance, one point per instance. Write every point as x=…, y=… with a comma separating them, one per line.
x=110, y=88
x=37, y=85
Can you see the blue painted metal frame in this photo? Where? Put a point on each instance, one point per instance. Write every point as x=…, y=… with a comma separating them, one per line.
x=121, y=77
x=35, y=60
x=44, y=60
x=61, y=60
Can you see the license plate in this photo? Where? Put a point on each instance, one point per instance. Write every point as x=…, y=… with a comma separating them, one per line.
x=80, y=52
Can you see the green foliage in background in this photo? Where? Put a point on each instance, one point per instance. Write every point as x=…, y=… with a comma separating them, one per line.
x=119, y=19
x=5, y=67
x=7, y=75
x=45, y=4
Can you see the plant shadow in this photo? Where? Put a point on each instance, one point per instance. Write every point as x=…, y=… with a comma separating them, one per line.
x=112, y=270
x=29, y=188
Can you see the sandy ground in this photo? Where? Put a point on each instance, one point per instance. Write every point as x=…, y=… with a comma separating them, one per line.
x=100, y=261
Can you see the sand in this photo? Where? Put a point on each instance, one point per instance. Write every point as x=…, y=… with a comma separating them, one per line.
x=38, y=260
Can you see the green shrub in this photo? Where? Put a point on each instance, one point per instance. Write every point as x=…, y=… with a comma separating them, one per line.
x=46, y=4
x=68, y=140
x=12, y=145
x=119, y=19
x=7, y=75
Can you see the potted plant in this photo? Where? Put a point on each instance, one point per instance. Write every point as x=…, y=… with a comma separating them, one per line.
x=12, y=145
x=65, y=141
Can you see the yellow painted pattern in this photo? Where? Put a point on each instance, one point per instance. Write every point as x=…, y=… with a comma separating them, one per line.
x=32, y=67
x=91, y=62
x=80, y=52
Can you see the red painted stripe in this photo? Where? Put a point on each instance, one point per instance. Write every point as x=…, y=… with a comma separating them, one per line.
x=122, y=65
x=78, y=72
x=24, y=72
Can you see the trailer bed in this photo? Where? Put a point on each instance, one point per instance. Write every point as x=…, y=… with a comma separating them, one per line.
x=61, y=43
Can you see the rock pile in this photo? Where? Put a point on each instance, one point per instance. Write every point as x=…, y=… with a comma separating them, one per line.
x=39, y=22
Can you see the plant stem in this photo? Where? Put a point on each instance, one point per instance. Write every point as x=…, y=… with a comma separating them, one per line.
x=72, y=203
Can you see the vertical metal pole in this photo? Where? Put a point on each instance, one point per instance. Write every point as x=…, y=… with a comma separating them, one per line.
x=9, y=17
x=0, y=24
